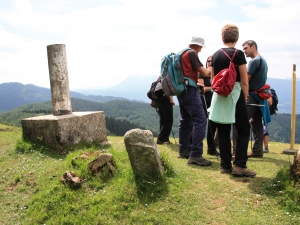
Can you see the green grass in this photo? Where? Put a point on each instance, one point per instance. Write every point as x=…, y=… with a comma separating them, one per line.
x=31, y=192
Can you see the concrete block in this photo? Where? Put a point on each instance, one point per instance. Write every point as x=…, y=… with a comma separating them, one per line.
x=57, y=131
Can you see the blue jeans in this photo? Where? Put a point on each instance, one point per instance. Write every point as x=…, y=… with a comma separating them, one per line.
x=193, y=119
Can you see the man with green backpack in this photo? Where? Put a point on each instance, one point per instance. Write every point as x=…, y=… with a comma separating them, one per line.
x=193, y=118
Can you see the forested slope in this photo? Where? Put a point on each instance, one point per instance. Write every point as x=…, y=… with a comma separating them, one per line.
x=123, y=115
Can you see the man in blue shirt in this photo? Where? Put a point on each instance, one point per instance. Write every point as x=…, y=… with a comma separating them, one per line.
x=257, y=74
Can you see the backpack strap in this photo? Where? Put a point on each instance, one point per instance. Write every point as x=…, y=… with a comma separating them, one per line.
x=184, y=50
x=231, y=59
x=187, y=78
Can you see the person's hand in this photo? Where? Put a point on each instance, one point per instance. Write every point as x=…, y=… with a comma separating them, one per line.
x=201, y=88
x=171, y=100
x=200, y=82
x=200, y=85
x=206, y=89
x=247, y=99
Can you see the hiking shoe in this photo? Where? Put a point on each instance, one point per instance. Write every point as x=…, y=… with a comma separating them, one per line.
x=255, y=155
x=240, y=172
x=266, y=150
x=224, y=170
x=184, y=154
x=200, y=161
x=214, y=153
x=163, y=142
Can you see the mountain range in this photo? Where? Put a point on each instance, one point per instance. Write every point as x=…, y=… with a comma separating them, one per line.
x=18, y=101
x=14, y=95
x=283, y=88
x=134, y=87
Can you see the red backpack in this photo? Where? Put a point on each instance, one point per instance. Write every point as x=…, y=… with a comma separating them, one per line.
x=224, y=81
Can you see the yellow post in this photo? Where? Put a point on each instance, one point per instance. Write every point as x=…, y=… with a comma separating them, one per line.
x=291, y=150
x=293, y=118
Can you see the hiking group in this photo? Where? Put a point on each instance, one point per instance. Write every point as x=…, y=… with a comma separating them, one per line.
x=214, y=98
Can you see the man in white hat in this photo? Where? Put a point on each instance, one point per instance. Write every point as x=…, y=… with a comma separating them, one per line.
x=193, y=118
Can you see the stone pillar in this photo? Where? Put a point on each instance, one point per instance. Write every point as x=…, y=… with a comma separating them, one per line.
x=59, y=80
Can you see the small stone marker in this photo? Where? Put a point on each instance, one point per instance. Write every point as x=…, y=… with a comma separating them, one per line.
x=143, y=153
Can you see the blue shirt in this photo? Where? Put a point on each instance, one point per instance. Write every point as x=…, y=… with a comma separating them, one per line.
x=259, y=78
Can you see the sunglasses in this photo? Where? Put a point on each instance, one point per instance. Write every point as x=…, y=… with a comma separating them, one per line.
x=209, y=61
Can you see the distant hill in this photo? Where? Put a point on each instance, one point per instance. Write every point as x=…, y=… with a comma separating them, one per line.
x=139, y=114
x=130, y=90
x=13, y=95
x=134, y=87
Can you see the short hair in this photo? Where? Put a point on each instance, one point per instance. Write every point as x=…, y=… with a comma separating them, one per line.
x=230, y=33
x=250, y=43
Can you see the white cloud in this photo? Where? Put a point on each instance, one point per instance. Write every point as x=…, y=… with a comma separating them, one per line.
x=107, y=41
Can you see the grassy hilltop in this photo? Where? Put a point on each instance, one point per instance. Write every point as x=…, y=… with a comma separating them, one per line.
x=32, y=194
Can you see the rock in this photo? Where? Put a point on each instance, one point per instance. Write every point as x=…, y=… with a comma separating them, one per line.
x=143, y=153
x=104, y=162
x=71, y=179
x=295, y=167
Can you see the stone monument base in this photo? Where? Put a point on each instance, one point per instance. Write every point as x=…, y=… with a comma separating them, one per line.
x=289, y=151
x=57, y=131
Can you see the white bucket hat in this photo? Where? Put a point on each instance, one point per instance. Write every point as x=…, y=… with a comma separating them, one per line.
x=197, y=41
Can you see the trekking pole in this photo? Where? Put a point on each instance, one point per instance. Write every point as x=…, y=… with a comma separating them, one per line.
x=251, y=131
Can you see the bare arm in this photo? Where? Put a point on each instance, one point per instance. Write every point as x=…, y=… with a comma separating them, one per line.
x=203, y=71
x=270, y=101
x=212, y=75
x=171, y=100
x=244, y=80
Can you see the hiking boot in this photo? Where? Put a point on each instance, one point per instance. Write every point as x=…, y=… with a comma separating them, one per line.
x=255, y=155
x=213, y=152
x=239, y=171
x=184, y=154
x=224, y=170
x=266, y=150
x=200, y=161
x=163, y=142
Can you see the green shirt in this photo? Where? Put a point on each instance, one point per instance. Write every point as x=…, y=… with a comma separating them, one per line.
x=222, y=109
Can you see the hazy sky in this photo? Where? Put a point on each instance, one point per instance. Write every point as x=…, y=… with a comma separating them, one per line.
x=108, y=40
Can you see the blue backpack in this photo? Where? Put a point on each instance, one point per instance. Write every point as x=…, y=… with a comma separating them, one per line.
x=172, y=80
